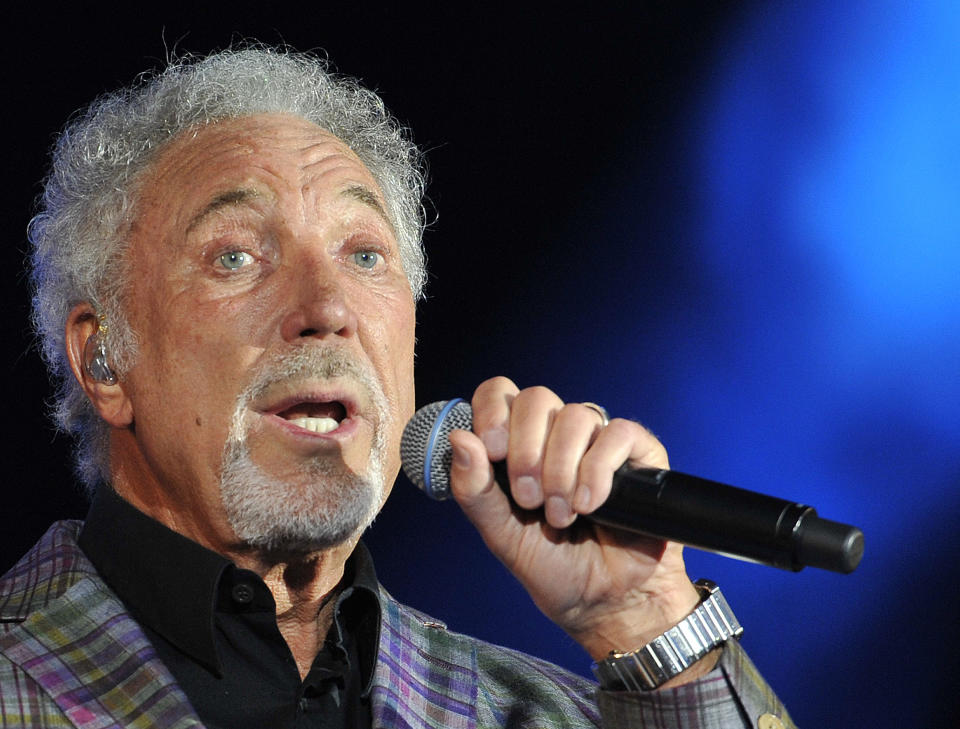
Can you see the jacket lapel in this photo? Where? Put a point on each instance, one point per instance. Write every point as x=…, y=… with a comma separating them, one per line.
x=92, y=659
x=426, y=677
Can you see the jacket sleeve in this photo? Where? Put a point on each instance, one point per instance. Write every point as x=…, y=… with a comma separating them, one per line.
x=733, y=696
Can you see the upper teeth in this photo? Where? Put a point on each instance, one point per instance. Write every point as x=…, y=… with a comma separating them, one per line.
x=317, y=425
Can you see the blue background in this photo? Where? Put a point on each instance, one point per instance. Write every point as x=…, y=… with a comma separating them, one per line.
x=738, y=225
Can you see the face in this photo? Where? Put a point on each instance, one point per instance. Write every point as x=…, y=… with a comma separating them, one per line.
x=276, y=328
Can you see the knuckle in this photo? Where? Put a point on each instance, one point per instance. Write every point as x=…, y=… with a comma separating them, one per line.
x=595, y=466
x=498, y=383
x=654, y=453
x=524, y=461
x=491, y=401
x=493, y=390
x=574, y=411
x=558, y=476
x=621, y=432
x=539, y=396
x=625, y=427
x=630, y=430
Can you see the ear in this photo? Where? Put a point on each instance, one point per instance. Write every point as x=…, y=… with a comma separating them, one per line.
x=109, y=400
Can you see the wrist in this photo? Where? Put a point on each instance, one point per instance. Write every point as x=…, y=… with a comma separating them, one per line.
x=682, y=653
x=640, y=624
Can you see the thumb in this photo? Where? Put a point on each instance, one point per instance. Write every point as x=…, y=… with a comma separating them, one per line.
x=475, y=490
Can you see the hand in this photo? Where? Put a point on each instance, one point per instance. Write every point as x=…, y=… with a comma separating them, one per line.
x=609, y=590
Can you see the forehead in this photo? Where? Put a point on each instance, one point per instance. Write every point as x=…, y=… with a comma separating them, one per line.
x=268, y=154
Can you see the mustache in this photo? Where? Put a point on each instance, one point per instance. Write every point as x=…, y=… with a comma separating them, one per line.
x=311, y=363
x=305, y=363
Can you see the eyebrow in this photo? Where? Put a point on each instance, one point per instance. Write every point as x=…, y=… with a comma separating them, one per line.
x=238, y=196
x=365, y=195
x=243, y=195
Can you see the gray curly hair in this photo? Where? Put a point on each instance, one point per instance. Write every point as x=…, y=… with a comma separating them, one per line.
x=78, y=236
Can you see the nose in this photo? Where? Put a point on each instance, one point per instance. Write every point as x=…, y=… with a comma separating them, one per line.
x=319, y=305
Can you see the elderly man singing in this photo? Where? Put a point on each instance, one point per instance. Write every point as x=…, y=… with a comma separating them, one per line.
x=226, y=266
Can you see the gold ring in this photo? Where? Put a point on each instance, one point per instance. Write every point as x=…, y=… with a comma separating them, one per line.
x=599, y=410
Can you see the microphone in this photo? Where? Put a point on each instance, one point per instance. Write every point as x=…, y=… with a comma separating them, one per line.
x=661, y=503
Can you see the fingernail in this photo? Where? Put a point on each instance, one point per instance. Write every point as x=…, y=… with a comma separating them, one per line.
x=461, y=457
x=526, y=491
x=581, y=498
x=557, y=511
x=495, y=441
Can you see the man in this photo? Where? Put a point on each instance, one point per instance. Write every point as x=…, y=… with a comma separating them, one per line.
x=226, y=269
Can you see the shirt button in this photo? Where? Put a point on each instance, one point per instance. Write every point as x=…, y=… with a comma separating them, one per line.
x=769, y=721
x=242, y=593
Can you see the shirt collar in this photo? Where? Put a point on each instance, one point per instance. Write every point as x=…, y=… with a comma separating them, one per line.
x=171, y=583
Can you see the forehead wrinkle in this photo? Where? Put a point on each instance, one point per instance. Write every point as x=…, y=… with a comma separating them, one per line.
x=314, y=171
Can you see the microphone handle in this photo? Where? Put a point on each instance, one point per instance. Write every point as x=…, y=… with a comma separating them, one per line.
x=725, y=519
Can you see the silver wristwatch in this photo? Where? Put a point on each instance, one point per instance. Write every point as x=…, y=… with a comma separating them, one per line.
x=711, y=624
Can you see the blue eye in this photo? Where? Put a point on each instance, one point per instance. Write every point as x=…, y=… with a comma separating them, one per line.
x=232, y=260
x=366, y=259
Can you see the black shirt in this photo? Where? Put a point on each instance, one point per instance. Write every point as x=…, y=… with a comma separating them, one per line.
x=214, y=626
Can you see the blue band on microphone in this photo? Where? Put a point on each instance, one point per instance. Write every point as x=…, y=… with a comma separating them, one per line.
x=434, y=433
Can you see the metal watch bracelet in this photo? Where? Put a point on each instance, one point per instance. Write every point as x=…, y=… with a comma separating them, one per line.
x=711, y=624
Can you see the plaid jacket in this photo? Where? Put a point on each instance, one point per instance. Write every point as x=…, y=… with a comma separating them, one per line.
x=71, y=656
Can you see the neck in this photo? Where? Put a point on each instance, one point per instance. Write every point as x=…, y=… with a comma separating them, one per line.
x=300, y=582
x=304, y=588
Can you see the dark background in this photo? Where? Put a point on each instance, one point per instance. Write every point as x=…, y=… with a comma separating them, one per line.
x=732, y=221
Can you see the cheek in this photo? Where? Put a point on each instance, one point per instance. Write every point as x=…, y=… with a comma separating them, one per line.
x=389, y=345
x=213, y=328
x=405, y=377
x=196, y=351
x=397, y=344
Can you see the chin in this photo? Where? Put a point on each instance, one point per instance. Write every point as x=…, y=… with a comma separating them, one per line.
x=323, y=504
x=324, y=507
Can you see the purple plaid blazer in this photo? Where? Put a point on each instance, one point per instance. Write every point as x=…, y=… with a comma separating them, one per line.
x=71, y=656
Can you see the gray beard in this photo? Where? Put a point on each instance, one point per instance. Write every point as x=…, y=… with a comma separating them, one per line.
x=328, y=504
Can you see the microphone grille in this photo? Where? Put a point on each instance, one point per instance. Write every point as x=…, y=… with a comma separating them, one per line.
x=424, y=449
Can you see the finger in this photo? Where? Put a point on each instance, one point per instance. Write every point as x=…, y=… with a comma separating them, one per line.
x=531, y=419
x=620, y=442
x=574, y=428
x=473, y=486
x=491, y=415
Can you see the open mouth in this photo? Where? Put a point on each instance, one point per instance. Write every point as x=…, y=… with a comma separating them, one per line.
x=317, y=417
